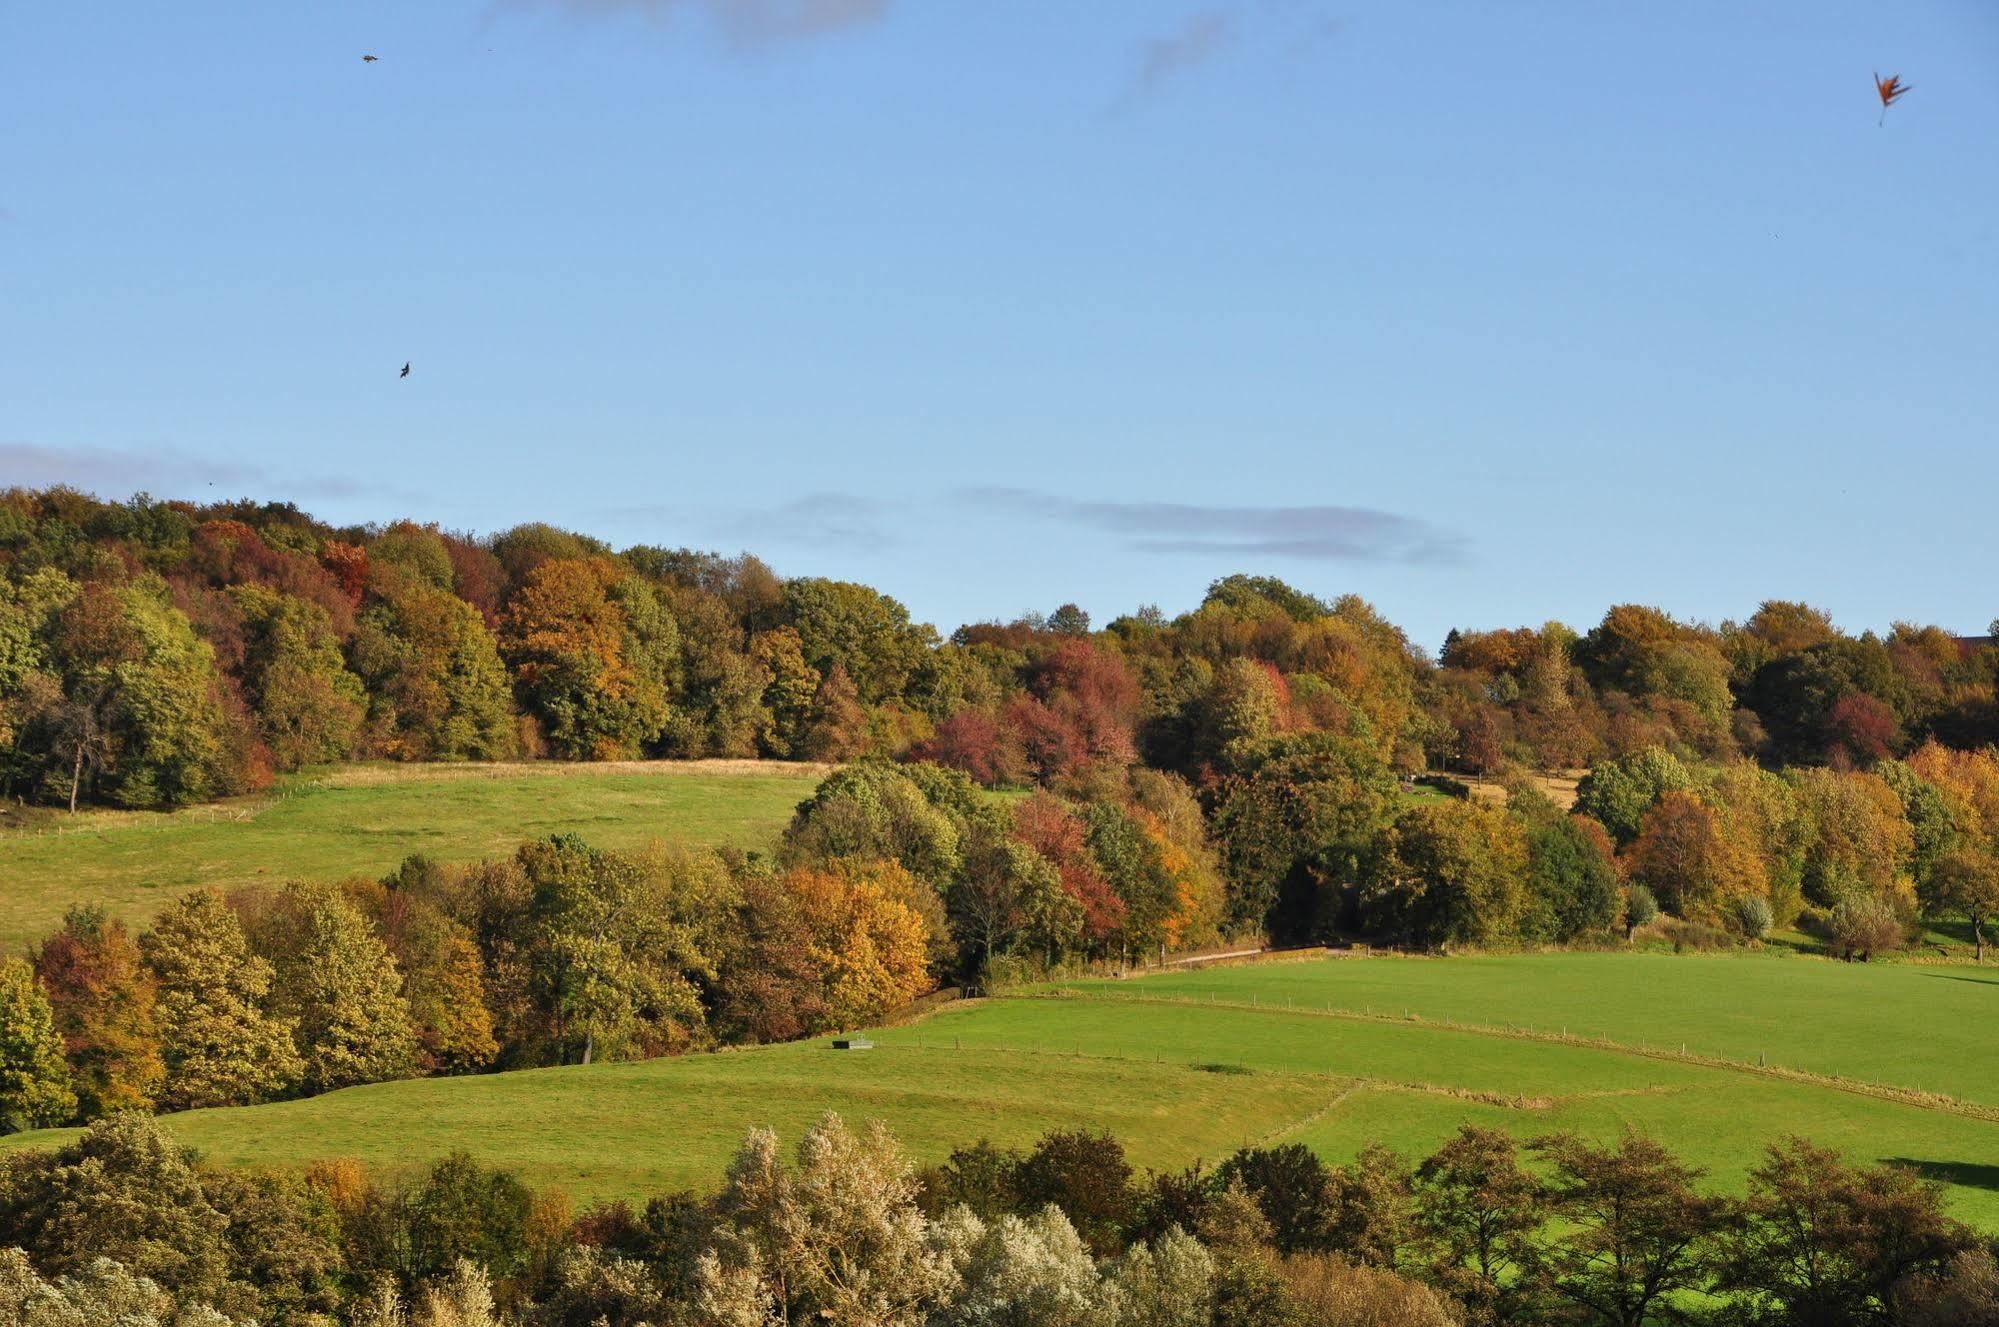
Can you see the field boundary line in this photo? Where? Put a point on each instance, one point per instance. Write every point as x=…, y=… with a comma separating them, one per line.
x=1500, y=1100
x=1307, y=1121
x=1904, y=1096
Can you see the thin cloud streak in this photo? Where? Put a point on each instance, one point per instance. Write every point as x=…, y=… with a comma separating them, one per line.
x=745, y=24
x=114, y=474
x=1319, y=533
x=841, y=522
x=1196, y=41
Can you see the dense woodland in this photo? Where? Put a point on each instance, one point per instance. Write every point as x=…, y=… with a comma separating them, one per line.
x=1239, y=771
x=122, y=1226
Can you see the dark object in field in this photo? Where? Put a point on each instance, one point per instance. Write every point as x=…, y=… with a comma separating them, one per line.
x=1222, y=1068
x=852, y=1044
x=1888, y=89
x=405, y=373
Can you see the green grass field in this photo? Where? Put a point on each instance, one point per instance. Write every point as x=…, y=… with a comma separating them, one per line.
x=365, y=819
x=1129, y=1056
x=1919, y=1026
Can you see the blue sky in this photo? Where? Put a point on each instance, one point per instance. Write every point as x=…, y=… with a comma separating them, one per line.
x=1491, y=311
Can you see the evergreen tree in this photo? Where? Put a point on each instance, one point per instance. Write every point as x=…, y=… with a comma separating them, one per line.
x=34, y=1081
x=221, y=1046
x=106, y=1010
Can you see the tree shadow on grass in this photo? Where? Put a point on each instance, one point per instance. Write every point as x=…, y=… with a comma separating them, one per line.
x=1968, y=1174
x=1957, y=976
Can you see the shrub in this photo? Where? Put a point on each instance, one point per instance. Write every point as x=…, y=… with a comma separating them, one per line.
x=1697, y=936
x=1863, y=927
x=1641, y=908
x=1328, y=1288
x=1752, y=915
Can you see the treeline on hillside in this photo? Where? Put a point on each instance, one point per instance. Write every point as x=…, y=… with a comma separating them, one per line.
x=123, y=1225
x=154, y=653
x=1754, y=775
x=889, y=880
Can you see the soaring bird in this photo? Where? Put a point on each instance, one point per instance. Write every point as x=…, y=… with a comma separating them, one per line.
x=405, y=373
x=368, y=59
x=1888, y=89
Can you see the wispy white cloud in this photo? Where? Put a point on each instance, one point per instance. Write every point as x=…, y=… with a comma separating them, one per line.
x=1161, y=58
x=114, y=473
x=1297, y=26
x=1316, y=533
x=745, y=24
x=838, y=521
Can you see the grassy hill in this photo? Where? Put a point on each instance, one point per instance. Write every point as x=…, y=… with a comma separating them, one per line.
x=364, y=819
x=1191, y=1066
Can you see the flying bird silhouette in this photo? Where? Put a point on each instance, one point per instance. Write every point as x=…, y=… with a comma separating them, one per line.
x=368, y=59
x=405, y=373
x=1888, y=89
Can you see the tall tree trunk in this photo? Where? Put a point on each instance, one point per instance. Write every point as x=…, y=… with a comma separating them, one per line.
x=589, y=1044
x=76, y=776
x=1978, y=938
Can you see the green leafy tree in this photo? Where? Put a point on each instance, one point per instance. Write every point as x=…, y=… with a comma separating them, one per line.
x=309, y=707
x=140, y=720
x=1007, y=896
x=790, y=686
x=1448, y=873
x=342, y=993
x=1618, y=793
x=34, y=1081
x=615, y=948
x=1641, y=908
x=1477, y=1210
x=1135, y=867
x=1828, y=1244
x=1246, y=705
x=124, y=1190
x=862, y=631
x=591, y=649
x=284, y=1244
x=1292, y=826
x=1087, y=1176
x=873, y=812
x=1798, y=696
x=458, y=1212
x=221, y=1045
x=1293, y=1189
x=1964, y=884
x=1572, y=883
x=436, y=687
x=1633, y=1236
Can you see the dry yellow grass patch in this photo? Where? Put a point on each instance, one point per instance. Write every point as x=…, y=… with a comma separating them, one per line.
x=377, y=775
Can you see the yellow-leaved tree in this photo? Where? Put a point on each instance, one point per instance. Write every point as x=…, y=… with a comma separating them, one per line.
x=868, y=935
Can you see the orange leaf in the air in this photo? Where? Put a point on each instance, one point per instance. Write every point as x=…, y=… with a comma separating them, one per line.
x=1889, y=88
